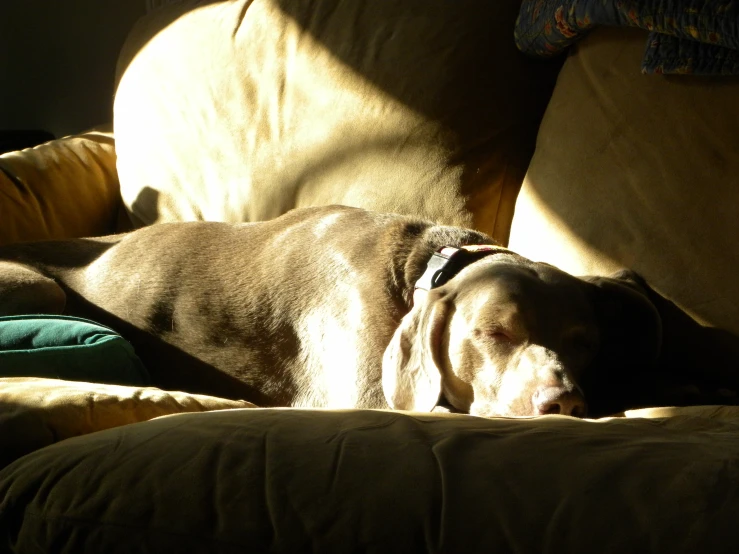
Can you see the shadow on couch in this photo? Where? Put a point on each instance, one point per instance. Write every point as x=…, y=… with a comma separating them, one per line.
x=697, y=366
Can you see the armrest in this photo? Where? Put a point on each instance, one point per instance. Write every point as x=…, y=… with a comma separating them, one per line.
x=61, y=189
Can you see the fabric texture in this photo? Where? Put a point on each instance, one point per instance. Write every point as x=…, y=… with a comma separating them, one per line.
x=686, y=36
x=639, y=172
x=64, y=347
x=239, y=111
x=35, y=413
x=372, y=481
x=65, y=188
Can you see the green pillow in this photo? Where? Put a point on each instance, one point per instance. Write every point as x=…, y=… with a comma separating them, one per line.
x=70, y=348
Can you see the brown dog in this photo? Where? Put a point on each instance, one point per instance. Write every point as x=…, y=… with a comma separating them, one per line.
x=333, y=307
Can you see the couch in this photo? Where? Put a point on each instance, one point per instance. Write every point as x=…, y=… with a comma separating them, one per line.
x=240, y=110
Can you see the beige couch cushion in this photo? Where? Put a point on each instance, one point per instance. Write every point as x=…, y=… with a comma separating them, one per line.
x=64, y=188
x=38, y=412
x=380, y=482
x=243, y=110
x=638, y=171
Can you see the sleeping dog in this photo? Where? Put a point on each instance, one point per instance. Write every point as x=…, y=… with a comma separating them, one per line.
x=343, y=308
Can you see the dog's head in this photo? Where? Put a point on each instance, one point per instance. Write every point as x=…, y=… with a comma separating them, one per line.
x=510, y=337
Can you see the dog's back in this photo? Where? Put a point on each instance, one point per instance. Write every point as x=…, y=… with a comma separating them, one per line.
x=291, y=311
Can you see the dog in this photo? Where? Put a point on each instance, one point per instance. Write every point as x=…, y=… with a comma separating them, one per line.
x=338, y=307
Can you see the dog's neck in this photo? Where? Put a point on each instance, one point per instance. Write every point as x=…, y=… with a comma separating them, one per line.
x=413, y=243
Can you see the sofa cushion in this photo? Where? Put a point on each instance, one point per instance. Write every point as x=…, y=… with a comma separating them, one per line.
x=64, y=347
x=35, y=413
x=638, y=171
x=379, y=482
x=61, y=189
x=242, y=110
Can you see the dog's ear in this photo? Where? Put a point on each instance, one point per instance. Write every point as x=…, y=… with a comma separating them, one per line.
x=411, y=376
x=630, y=325
x=631, y=340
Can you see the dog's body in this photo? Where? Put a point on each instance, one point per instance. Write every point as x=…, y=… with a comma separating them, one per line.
x=301, y=311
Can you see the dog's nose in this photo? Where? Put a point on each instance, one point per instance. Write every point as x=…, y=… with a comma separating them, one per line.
x=558, y=400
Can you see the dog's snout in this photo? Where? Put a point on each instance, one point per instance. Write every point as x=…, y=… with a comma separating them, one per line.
x=559, y=400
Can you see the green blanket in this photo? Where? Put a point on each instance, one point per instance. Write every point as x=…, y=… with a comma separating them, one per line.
x=62, y=347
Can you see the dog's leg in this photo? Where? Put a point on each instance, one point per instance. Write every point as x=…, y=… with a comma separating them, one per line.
x=23, y=290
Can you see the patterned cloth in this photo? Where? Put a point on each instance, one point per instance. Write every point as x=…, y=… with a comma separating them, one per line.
x=686, y=36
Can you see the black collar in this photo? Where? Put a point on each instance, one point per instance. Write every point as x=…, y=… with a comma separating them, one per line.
x=447, y=261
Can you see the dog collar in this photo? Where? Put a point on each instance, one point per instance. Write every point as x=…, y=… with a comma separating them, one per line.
x=447, y=261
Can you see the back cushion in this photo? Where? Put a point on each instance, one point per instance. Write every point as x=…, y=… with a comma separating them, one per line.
x=638, y=171
x=242, y=110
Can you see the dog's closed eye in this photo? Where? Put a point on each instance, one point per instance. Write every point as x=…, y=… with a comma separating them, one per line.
x=497, y=334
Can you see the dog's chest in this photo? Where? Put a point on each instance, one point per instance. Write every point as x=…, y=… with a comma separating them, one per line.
x=339, y=363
